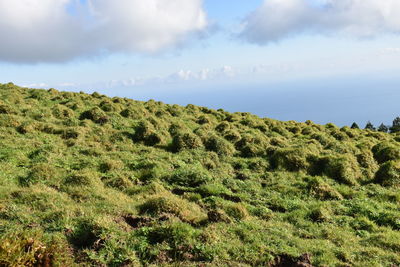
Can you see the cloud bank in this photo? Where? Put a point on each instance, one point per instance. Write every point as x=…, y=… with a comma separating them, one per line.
x=60, y=30
x=275, y=20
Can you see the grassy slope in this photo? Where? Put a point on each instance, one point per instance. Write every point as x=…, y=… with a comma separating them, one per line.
x=91, y=180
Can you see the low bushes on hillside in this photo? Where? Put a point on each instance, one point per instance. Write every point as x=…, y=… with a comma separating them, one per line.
x=96, y=181
x=389, y=174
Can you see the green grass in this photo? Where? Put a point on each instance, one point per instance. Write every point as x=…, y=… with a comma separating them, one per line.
x=88, y=180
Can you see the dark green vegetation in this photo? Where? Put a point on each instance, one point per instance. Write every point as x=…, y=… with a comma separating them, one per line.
x=91, y=180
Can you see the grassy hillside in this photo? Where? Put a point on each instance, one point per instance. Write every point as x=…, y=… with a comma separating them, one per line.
x=92, y=180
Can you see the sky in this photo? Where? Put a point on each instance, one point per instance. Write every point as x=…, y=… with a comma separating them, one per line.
x=324, y=60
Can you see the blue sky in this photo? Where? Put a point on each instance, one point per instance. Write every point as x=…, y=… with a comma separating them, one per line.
x=328, y=61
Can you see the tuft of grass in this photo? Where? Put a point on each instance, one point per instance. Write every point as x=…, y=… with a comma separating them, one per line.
x=168, y=203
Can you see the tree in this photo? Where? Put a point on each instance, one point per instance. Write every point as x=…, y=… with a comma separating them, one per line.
x=355, y=126
x=369, y=126
x=395, y=126
x=383, y=128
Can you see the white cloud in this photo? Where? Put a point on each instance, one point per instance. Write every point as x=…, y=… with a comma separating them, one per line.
x=60, y=30
x=391, y=50
x=222, y=73
x=36, y=85
x=279, y=19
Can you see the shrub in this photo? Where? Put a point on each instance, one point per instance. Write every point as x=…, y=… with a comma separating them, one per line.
x=107, y=106
x=279, y=142
x=96, y=115
x=10, y=121
x=190, y=176
x=168, y=203
x=223, y=127
x=322, y=138
x=118, y=181
x=262, y=212
x=218, y=215
x=307, y=130
x=29, y=248
x=82, y=178
x=386, y=151
x=339, y=135
x=344, y=169
x=85, y=233
x=252, y=145
x=258, y=165
x=367, y=161
x=62, y=112
x=174, y=110
x=237, y=211
x=291, y=159
x=27, y=127
x=212, y=190
x=40, y=172
x=6, y=109
x=127, y=113
x=320, y=213
x=364, y=224
x=389, y=174
x=321, y=190
x=147, y=133
x=70, y=133
x=219, y=145
x=175, y=242
x=111, y=165
x=203, y=119
x=183, y=141
x=96, y=95
x=232, y=135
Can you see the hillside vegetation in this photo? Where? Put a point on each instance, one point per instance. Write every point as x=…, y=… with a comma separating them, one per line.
x=88, y=180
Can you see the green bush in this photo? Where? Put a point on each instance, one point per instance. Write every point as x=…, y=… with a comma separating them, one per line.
x=223, y=127
x=320, y=213
x=96, y=115
x=252, y=145
x=212, y=190
x=262, y=212
x=364, y=224
x=70, y=133
x=111, y=165
x=31, y=248
x=237, y=211
x=344, y=169
x=85, y=234
x=368, y=163
x=62, y=112
x=107, y=106
x=384, y=152
x=146, y=133
x=389, y=174
x=203, y=119
x=232, y=136
x=190, y=176
x=40, y=172
x=219, y=145
x=6, y=109
x=28, y=127
x=175, y=242
x=167, y=203
x=118, y=181
x=291, y=159
x=183, y=141
x=321, y=189
x=82, y=178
